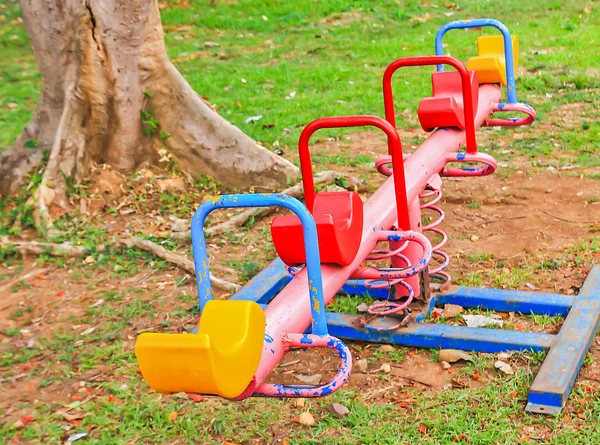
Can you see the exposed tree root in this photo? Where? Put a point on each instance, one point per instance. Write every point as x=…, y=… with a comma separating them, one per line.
x=44, y=195
x=181, y=228
x=179, y=260
x=25, y=277
x=65, y=249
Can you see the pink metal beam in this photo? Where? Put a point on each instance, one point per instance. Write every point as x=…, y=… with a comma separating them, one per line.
x=289, y=312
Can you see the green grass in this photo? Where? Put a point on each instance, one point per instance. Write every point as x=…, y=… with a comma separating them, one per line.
x=332, y=54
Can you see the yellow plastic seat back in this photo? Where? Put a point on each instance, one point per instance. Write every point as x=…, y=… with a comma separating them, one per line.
x=490, y=64
x=220, y=359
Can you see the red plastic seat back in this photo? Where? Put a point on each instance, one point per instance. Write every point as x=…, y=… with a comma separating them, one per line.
x=339, y=219
x=446, y=107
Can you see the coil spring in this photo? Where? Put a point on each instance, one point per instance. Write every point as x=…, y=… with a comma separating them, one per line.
x=393, y=276
x=436, y=271
x=378, y=278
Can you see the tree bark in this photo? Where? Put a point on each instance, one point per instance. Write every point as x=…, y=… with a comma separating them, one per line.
x=102, y=63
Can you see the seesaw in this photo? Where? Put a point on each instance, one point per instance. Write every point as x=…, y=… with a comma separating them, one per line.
x=324, y=248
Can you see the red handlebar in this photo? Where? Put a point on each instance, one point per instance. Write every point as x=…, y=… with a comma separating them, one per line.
x=433, y=60
x=394, y=149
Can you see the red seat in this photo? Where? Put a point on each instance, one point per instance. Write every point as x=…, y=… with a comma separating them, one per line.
x=445, y=107
x=339, y=219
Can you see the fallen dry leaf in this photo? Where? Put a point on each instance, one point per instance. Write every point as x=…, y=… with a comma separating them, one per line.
x=363, y=307
x=170, y=184
x=299, y=402
x=461, y=438
x=88, y=331
x=306, y=418
x=314, y=379
x=361, y=364
x=454, y=355
x=74, y=437
x=195, y=397
x=452, y=310
x=504, y=367
x=27, y=419
x=423, y=19
x=70, y=417
x=338, y=409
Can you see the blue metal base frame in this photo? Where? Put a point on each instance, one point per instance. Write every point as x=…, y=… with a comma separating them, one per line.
x=566, y=350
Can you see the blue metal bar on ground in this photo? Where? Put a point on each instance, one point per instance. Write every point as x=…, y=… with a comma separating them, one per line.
x=425, y=335
x=266, y=284
x=556, y=377
x=508, y=301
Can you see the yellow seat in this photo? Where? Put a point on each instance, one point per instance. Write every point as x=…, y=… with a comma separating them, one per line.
x=490, y=64
x=220, y=359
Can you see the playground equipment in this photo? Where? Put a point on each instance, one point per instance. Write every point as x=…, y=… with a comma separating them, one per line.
x=240, y=340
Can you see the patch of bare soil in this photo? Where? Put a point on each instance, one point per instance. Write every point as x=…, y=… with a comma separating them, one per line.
x=514, y=217
x=415, y=370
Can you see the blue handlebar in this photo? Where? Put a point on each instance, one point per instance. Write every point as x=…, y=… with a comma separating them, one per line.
x=311, y=246
x=511, y=91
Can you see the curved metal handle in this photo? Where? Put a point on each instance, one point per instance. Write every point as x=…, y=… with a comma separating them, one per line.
x=490, y=165
x=469, y=113
x=511, y=90
x=312, y=341
x=311, y=247
x=394, y=149
x=381, y=163
x=511, y=122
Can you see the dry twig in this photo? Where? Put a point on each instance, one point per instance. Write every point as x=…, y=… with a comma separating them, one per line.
x=489, y=221
x=560, y=218
x=181, y=231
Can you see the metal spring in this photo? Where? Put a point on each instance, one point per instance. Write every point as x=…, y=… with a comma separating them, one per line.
x=388, y=277
x=437, y=271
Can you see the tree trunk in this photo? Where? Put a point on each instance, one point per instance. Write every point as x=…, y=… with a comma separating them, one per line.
x=102, y=63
